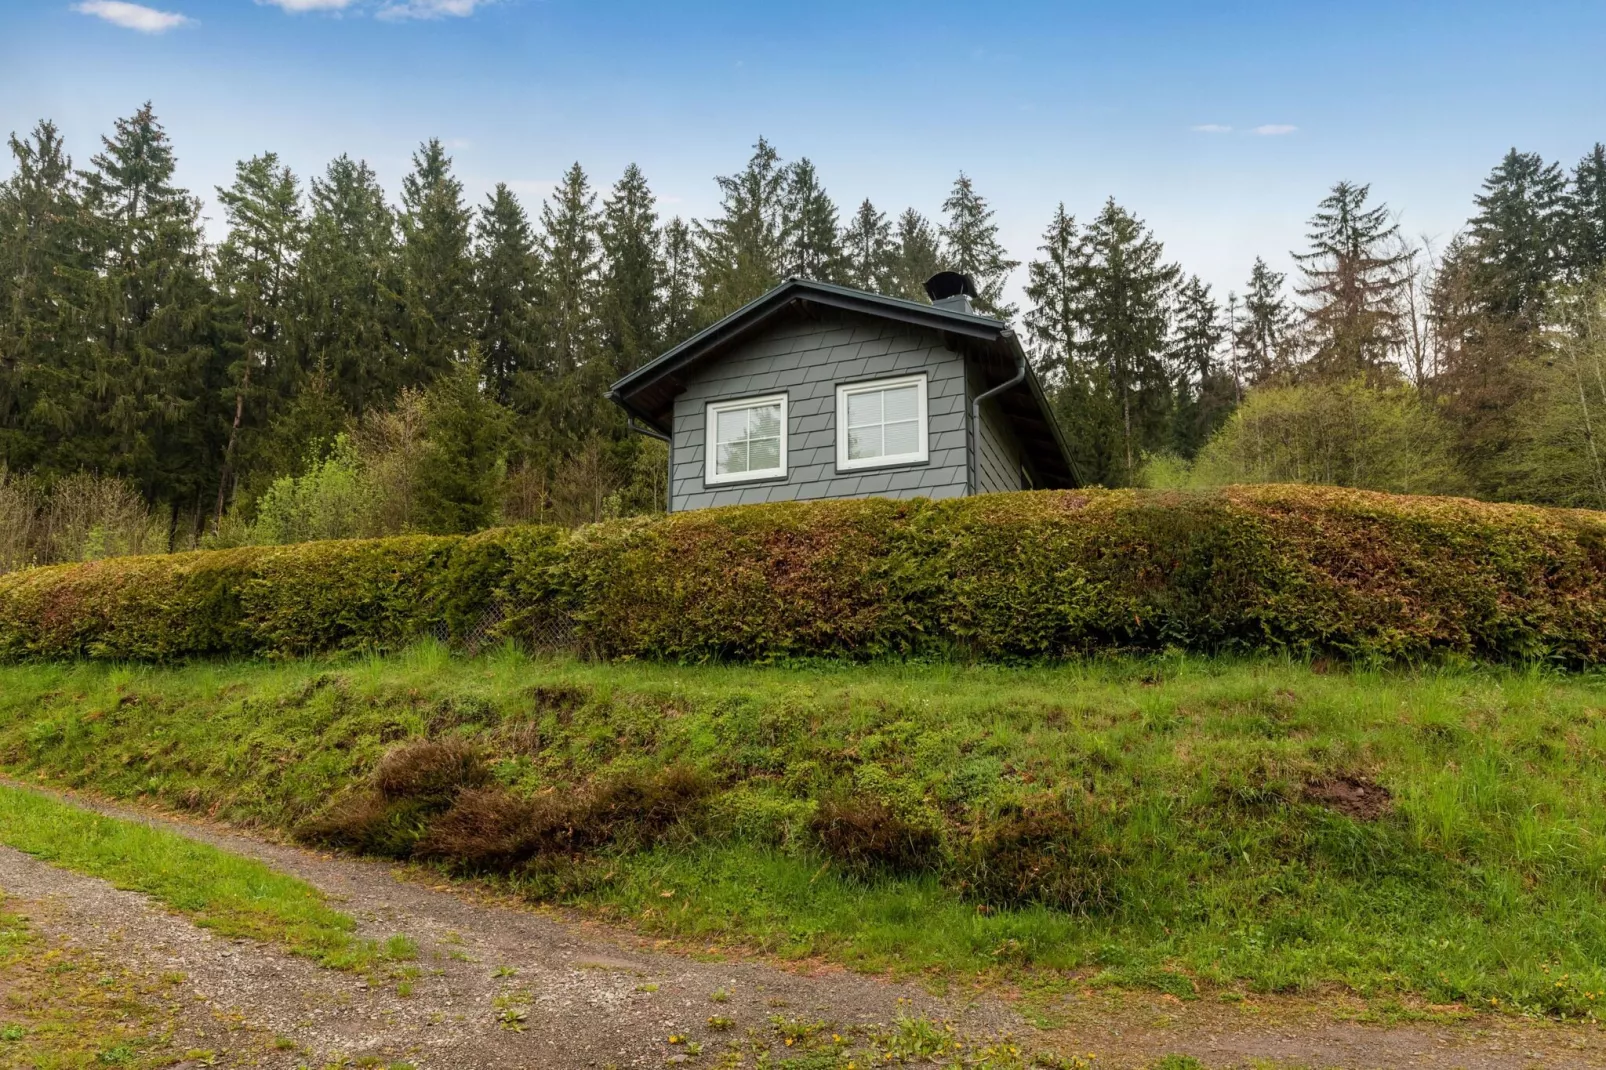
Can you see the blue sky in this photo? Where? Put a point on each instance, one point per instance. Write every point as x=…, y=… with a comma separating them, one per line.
x=1039, y=102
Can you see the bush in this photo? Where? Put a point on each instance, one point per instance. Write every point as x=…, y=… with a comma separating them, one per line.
x=1309, y=570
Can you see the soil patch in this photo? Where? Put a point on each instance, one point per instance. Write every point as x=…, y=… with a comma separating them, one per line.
x=1357, y=797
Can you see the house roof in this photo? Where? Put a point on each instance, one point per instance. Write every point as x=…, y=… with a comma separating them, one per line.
x=648, y=393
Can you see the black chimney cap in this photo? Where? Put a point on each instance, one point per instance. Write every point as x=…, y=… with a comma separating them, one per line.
x=950, y=284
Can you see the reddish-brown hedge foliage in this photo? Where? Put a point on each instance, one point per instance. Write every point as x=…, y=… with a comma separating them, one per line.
x=1310, y=570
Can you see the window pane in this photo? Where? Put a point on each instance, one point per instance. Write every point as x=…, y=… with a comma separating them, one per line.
x=763, y=453
x=766, y=423
x=902, y=437
x=901, y=403
x=864, y=443
x=732, y=459
x=864, y=409
x=731, y=426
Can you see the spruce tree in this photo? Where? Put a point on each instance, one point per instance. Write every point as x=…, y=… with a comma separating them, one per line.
x=256, y=268
x=464, y=459
x=1586, y=216
x=45, y=393
x=1353, y=275
x=437, y=268
x=917, y=255
x=631, y=273
x=1205, y=391
x=740, y=251
x=970, y=245
x=156, y=380
x=507, y=289
x=352, y=317
x=1262, y=336
x=1517, y=237
x=679, y=298
x=811, y=240
x=1054, y=289
x=1123, y=293
x=868, y=253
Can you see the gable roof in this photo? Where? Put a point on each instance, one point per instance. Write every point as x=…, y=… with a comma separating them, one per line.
x=648, y=393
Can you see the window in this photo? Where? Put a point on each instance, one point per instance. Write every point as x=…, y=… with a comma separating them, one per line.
x=881, y=423
x=746, y=439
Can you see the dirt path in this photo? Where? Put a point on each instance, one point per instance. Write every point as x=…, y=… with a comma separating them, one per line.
x=509, y=987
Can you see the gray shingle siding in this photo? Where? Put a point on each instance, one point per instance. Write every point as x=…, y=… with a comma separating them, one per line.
x=807, y=361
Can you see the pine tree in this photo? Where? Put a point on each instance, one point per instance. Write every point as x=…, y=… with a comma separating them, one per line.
x=1205, y=392
x=631, y=273
x=679, y=298
x=1353, y=275
x=437, y=268
x=1586, y=212
x=970, y=245
x=256, y=272
x=1124, y=290
x=916, y=256
x=44, y=362
x=352, y=316
x=1262, y=336
x=740, y=251
x=811, y=240
x=464, y=461
x=868, y=253
x=1517, y=236
x=155, y=377
x=507, y=288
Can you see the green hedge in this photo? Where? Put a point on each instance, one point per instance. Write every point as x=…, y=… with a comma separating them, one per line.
x=1011, y=576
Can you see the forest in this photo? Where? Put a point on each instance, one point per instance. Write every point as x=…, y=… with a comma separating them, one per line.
x=342, y=363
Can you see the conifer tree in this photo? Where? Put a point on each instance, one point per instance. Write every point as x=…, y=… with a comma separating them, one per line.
x=811, y=240
x=740, y=251
x=917, y=255
x=1262, y=336
x=868, y=253
x=44, y=382
x=1516, y=239
x=1353, y=275
x=464, y=460
x=1054, y=289
x=437, y=268
x=631, y=273
x=679, y=299
x=256, y=272
x=1586, y=211
x=352, y=315
x=970, y=245
x=507, y=287
x=156, y=382
x=1205, y=392
x=1124, y=289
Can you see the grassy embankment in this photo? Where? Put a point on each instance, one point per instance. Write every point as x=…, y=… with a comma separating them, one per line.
x=1179, y=823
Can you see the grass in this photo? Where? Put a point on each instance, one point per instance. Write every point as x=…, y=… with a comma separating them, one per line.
x=231, y=895
x=1206, y=858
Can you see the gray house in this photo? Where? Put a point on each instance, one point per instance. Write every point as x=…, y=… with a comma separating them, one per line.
x=820, y=391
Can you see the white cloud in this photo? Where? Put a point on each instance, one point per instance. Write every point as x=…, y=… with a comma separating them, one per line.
x=132, y=16
x=297, y=6
x=1274, y=129
x=430, y=9
x=1212, y=128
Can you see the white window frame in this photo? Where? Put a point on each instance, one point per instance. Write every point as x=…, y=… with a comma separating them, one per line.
x=922, y=420
x=711, y=476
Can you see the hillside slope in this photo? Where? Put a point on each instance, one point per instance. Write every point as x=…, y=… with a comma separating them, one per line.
x=1175, y=822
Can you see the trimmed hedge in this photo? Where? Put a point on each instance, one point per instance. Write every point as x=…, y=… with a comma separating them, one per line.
x=1317, y=571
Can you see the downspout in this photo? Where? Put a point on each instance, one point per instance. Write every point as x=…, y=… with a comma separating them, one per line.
x=975, y=416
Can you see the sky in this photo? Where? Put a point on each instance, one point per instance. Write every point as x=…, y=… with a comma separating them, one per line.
x=1220, y=124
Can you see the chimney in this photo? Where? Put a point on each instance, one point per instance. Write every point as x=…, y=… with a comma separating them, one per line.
x=951, y=291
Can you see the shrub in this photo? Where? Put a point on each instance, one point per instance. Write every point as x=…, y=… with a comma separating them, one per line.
x=866, y=834
x=1309, y=570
